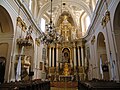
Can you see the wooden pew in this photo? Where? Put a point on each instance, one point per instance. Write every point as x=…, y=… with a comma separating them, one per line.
x=98, y=85
x=26, y=85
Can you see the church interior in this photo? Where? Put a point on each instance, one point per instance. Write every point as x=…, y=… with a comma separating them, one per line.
x=59, y=44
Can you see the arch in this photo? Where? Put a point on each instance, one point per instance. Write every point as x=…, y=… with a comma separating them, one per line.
x=70, y=19
x=6, y=25
x=116, y=27
x=6, y=38
x=102, y=57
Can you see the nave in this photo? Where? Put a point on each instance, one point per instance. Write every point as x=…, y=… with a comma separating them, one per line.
x=59, y=44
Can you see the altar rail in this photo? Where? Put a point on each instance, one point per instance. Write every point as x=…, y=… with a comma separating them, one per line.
x=26, y=85
x=99, y=85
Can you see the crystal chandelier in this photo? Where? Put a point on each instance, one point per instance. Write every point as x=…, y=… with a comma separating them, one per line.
x=50, y=36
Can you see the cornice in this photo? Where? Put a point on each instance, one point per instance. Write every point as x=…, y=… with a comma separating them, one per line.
x=96, y=14
x=24, y=8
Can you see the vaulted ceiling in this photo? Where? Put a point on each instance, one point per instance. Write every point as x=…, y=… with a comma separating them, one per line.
x=77, y=12
x=75, y=8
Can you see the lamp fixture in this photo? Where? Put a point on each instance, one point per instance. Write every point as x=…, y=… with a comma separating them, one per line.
x=50, y=36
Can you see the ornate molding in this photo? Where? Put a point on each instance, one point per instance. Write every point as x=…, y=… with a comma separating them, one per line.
x=105, y=19
x=93, y=40
x=21, y=24
x=103, y=23
x=37, y=40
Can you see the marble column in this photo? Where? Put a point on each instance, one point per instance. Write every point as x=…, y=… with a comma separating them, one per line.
x=57, y=57
x=49, y=57
x=78, y=56
x=82, y=56
x=74, y=56
x=53, y=57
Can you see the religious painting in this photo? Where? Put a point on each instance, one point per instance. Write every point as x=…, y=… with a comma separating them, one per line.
x=66, y=55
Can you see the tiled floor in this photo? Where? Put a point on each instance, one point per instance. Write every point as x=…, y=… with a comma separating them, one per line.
x=53, y=88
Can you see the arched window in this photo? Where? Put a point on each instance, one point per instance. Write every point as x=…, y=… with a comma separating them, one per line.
x=42, y=24
x=85, y=22
x=30, y=4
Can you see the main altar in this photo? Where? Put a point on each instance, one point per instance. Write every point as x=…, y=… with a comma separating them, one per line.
x=66, y=59
x=66, y=74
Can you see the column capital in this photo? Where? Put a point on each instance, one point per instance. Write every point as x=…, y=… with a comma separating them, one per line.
x=82, y=46
x=78, y=46
x=74, y=44
x=57, y=46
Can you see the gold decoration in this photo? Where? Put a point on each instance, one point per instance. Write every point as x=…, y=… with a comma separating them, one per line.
x=65, y=28
x=107, y=14
x=37, y=40
x=21, y=23
x=27, y=41
x=24, y=27
x=66, y=70
x=105, y=18
x=19, y=20
x=103, y=23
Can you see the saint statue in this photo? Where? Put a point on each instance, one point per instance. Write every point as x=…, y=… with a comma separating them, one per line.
x=73, y=33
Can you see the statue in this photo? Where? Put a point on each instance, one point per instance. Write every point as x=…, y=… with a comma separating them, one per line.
x=73, y=33
x=26, y=66
x=66, y=70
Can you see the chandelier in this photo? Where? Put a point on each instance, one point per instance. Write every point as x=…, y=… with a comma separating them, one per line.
x=50, y=36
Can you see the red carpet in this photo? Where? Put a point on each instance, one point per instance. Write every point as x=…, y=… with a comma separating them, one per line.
x=64, y=84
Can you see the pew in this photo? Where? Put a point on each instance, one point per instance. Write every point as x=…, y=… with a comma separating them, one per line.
x=26, y=85
x=98, y=85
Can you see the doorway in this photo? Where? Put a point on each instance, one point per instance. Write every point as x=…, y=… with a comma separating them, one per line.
x=102, y=57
